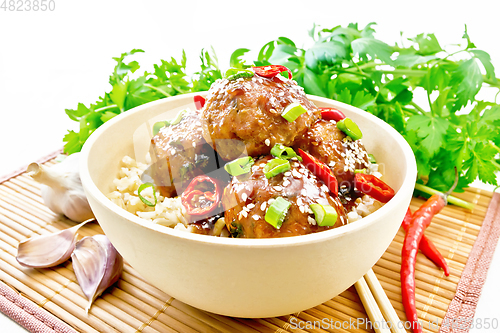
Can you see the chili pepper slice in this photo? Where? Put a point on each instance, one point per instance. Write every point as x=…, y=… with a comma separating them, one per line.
x=271, y=71
x=374, y=187
x=427, y=246
x=202, y=196
x=421, y=220
x=199, y=102
x=320, y=170
x=332, y=114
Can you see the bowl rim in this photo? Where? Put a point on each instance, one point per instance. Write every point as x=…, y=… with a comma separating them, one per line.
x=91, y=188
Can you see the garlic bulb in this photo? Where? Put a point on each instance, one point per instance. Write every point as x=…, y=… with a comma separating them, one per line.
x=48, y=250
x=97, y=265
x=62, y=189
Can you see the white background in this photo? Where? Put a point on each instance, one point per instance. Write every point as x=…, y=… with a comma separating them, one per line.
x=50, y=61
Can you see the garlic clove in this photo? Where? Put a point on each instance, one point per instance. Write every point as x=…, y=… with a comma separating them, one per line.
x=48, y=250
x=97, y=265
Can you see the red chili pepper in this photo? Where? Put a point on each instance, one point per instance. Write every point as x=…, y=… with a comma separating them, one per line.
x=201, y=196
x=332, y=114
x=374, y=187
x=421, y=220
x=199, y=102
x=427, y=246
x=321, y=170
x=271, y=71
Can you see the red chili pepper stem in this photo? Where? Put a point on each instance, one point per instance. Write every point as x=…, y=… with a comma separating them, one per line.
x=427, y=246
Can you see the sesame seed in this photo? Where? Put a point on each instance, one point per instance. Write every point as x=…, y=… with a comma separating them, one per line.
x=286, y=182
x=244, y=197
x=256, y=217
x=311, y=220
x=240, y=216
x=270, y=201
x=301, y=208
x=244, y=213
x=296, y=174
x=172, y=151
x=250, y=206
x=277, y=188
x=288, y=174
x=267, y=142
x=263, y=206
x=324, y=188
x=299, y=201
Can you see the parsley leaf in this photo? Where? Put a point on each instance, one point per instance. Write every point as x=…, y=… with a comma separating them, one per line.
x=452, y=129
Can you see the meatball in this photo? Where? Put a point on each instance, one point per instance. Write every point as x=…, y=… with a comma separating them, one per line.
x=180, y=153
x=248, y=196
x=332, y=147
x=245, y=114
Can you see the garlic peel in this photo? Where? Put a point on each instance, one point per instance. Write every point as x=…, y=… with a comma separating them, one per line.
x=48, y=250
x=97, y=265
x=62, y=189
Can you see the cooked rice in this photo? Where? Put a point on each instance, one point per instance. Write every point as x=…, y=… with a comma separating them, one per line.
x=168, y=211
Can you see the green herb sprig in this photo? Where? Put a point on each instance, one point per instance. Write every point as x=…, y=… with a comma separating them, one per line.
x=451, y=129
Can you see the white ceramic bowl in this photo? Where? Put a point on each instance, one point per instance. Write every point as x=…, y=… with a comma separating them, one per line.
x=244, y=277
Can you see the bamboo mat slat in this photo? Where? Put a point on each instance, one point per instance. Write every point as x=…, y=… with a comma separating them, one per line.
x=133, y=305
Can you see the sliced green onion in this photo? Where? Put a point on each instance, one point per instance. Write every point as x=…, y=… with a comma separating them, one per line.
x=350, y=128
x=236, y=73
x=325, y=215
x=275, y=214
x=276, y=166
x=284, y=152
x=239, y=166
x=293, y=111
x=360, y=171
x=159, y=125
x=371, y=158
x=146, y=201
x=178, y=118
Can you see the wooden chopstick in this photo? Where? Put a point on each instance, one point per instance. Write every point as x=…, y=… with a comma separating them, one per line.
x=384, y=302
x=383, y=317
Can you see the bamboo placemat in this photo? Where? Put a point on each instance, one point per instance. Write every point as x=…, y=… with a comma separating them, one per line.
x=133, y=305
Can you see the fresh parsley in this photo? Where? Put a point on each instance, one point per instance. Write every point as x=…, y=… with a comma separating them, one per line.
x=451, y=129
